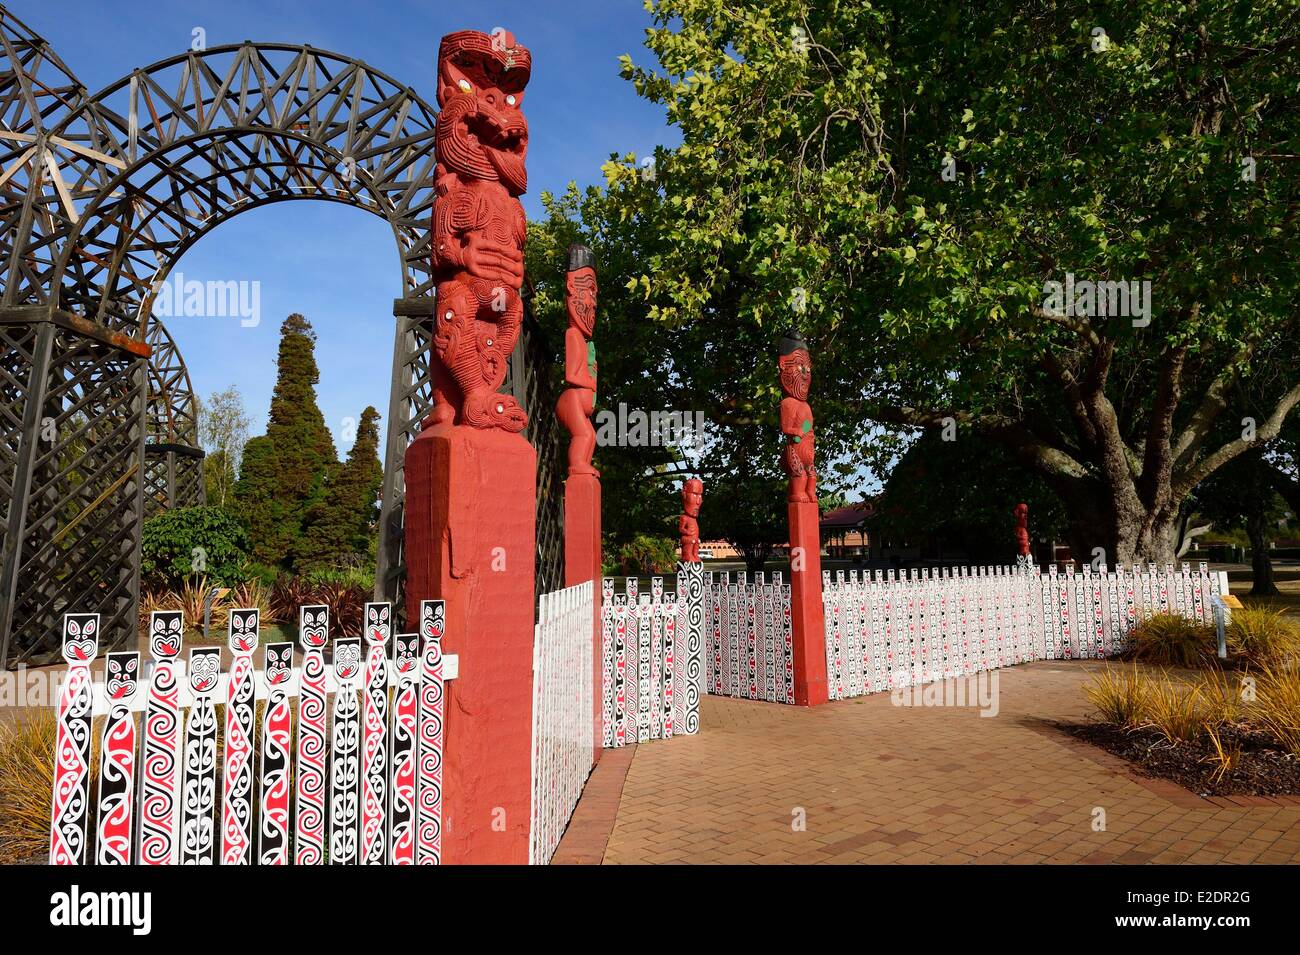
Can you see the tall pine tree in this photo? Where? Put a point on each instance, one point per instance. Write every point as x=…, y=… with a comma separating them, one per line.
x=284, y=473
x=342, y=525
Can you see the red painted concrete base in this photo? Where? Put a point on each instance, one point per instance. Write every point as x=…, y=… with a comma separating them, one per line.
x=807, y=618
x=470, y=533
x=582, y=563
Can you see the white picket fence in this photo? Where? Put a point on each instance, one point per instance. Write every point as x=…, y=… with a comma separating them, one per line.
x=653, y=658
x=562, y=712
x=371, y=795
x=747, y=624
x=885, y=631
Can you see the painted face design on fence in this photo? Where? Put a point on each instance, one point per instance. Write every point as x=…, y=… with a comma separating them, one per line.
x=205, y=669
x=80, y=637
x=433, y=618
x=406, y=651
x=314, y=626
x=165, y=627
x=121, y=675
x=243, y=631
x=378, y=623
x=278, y=663
x=347, y=658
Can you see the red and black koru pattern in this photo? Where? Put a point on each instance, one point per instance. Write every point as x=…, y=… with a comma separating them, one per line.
x=273, y=822
x=309, y=777
x=374, y=745
x=159, y=763
x=237, y=777
x=117, y=761
x=433, y=620
x=345, y=768
x=406, y=657
x=481, y=142
x=71, y=802
x=199, y=796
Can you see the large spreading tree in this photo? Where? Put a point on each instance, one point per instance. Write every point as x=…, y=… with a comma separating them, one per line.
x=903, y=179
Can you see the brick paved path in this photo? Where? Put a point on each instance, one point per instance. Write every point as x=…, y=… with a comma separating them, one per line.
x=885, y=783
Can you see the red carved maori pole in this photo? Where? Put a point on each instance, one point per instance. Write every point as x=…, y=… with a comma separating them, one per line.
x=799, y=460
x=1023, y=558
x=582, y=558
x=688, y=525
x=471, y=477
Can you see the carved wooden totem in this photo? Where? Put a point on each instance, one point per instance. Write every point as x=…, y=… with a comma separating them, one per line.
x=578, y=401
x=1023, y=558
x=478, y=227
x=688, y=525
x=797, y=419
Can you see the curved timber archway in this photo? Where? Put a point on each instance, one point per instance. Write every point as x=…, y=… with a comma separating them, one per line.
x=133, y=177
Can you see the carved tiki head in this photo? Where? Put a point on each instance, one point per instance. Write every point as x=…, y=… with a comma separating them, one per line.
x=278, y=663
x=482, y=133
x=692, y=496
x=347, y=658
x=243, y=630
x=580, y=283
x=378, y=623
x=313, y=626
x=795, y=366
x=205, y=669
x=122, y=675
x=165, y=633
x=80, y=637
x=406, y=652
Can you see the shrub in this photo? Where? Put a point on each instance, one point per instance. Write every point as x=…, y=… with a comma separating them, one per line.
x=27, y=780
x=189, y=601
x=647, y=554
x=185, y=541
x=1169, y=639
x=1263, y=636
x=1277, y=705
x=1176, y=710
x=252, y=593
x=1120, y=695
x=1225, y=757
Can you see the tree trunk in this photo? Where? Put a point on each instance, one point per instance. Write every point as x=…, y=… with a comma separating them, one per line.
x=1261, y=566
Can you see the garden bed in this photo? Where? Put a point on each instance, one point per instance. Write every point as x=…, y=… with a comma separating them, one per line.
x=1262, y=768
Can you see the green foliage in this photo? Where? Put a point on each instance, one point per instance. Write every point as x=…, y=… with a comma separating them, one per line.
x=219, y=477
x=283, y=473
x=1170, y=639
x=340, y=528
x=815, y=174
x=188, y=541
x=964, y=491
x=1263, y=635
x=647, y=554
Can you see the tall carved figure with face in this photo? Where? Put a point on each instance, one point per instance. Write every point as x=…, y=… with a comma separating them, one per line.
x=799, y=456
x=688, y=525
x=478, y=226
x=578, y=401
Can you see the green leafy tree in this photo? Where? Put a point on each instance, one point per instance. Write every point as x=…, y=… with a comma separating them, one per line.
x=188, y=541
x=340, y=528
x=905, y=180
x=283, y=473
x=223, y=430
x=1242, y=493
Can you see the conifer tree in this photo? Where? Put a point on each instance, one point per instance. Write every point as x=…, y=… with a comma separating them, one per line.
x=342, y=525
x=292, y=462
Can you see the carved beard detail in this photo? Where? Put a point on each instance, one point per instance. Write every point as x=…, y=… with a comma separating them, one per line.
x=796, y=374
x=580, y=303
x=121, y=673
x=80, y=637
x=205, y=669
x=347, y=658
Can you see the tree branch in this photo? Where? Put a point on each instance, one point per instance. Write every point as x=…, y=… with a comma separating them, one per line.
x=1189, y=477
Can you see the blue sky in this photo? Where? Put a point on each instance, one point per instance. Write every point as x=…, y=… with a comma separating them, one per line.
x=338, y=265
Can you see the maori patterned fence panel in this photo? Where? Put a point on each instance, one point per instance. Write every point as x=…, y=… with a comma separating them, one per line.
x=885, y=631
x=562, y=706
x=169, y=796
x=653, y=668
x=749, y=652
